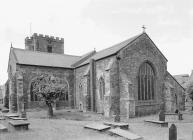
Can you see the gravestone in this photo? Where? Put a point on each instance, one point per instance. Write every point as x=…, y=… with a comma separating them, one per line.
x=3, y=128
x=173, y=132
x=180, y=116
x=161, y=116
x=97, y=126
x=23, y=114
x=17, y=118
x=125, y=134
x=11, y=115
x=159, y=123
x=5, y=110
x=119, y=125
x=19, y=124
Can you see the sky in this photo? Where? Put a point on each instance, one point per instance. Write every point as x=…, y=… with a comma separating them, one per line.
x=89, y=24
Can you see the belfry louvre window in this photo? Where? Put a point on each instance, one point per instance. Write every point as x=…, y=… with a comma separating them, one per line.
x=146, y=82
x=49, y=48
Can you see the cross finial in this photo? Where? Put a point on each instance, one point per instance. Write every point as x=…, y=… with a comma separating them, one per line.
x=143, y=28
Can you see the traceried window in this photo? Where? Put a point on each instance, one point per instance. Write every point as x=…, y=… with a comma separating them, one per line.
x=146, y=82
x=49, y=48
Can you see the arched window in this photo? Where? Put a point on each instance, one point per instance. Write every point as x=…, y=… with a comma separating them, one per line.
x=33, y=96
x=146, y=82
x=101, y=88
x=80, y=92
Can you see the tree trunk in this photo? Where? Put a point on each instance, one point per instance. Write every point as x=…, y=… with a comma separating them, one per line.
x=50, y=110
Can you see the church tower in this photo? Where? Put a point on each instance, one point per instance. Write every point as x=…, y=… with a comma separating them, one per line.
x=39, y=42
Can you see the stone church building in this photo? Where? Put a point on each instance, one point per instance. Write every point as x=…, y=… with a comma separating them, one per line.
x=129, y=78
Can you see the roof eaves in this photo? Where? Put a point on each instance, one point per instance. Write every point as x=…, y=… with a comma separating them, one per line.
x=15, y=55
x=44, y=66
x=96, y=60
x=84, y=58
x=134, y=38
x=156, y=47
x=176, y=81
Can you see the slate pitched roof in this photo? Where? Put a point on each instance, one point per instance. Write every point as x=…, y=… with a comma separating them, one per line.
x=175, y=80
x=84, y=57
x=111, y=50
x=114, y=49
x=182, y=79
x=43, y=59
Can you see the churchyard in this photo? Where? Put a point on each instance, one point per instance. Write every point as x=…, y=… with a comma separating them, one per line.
x=69, y=125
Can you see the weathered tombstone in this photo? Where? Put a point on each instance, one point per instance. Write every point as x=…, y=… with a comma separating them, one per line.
x=180, y=116
x=161, y=116
x=23, y=114
x=173, y=132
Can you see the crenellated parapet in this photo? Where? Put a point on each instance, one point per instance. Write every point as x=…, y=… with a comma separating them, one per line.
x=44, y=43
x=45, y=37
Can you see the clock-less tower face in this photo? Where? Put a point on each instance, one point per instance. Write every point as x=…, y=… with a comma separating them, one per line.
x=45, y=43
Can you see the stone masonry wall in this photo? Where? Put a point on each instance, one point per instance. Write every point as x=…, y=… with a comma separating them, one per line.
x=140, y=51
x=6, y=97
x=178, y=95
x=82, y=79
x=103, y=70
x=31, y=72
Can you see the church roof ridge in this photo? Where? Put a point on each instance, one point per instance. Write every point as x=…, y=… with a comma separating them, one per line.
x=112, y=49
x=84, y=57
x=44, y=52
x=43, y=59
x=176, y=80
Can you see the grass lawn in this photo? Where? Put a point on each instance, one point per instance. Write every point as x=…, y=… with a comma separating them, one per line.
x=64, y=126
x=69, y=126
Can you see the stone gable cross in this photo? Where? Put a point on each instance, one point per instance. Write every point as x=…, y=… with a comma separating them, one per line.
x=143, y=28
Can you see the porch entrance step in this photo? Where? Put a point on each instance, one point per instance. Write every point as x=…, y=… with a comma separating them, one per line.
x=119, y=125
x=125, y=134
x=98, y=127
x=3, y=128
x=159, y=123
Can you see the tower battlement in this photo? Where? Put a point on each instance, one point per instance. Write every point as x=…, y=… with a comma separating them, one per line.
x=44, y=43
x=46, y=37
